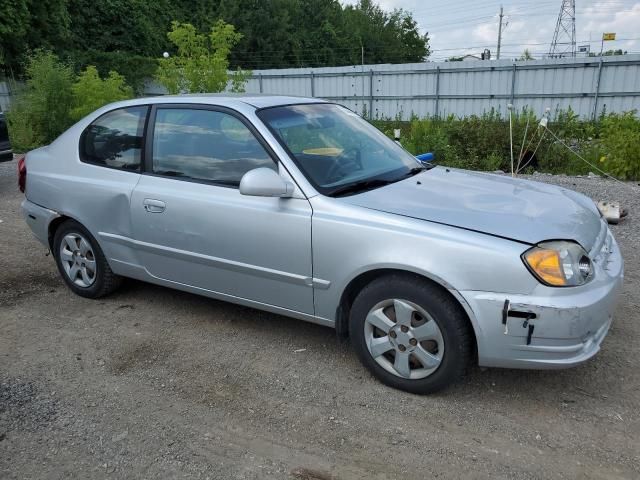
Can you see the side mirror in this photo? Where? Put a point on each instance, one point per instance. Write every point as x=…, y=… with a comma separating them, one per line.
x=426, y=157
x=264, y=182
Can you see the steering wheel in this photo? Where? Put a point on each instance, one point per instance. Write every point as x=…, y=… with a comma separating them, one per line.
x=349, y=157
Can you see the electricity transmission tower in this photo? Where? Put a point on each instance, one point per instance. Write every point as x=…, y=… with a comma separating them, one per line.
x=564, y=38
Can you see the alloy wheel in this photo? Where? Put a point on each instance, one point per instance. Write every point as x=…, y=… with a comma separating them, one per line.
x=404, y=339
x=78, y=260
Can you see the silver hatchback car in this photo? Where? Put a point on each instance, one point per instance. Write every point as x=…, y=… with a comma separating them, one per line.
x=300, y=207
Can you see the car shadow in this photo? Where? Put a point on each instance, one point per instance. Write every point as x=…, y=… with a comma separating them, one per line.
x=513, y=387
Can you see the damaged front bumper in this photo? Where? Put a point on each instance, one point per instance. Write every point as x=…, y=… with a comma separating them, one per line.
x=552, y=327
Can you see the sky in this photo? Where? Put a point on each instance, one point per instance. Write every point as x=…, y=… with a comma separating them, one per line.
x=460, y=27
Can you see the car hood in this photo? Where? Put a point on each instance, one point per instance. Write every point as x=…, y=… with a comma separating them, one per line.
x=521, y=210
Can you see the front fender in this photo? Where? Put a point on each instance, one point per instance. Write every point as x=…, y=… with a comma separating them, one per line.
x=349, y=241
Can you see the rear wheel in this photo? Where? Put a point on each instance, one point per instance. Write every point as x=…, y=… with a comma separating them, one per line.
x=410, y=334
x=81, y=262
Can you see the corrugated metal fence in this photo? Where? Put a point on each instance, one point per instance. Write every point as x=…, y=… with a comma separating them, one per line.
x=587, y=85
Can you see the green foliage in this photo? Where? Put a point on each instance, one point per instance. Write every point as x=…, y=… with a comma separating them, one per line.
x=526, y=55
x=135, y=68
x=620, y=136
x=482, y=142
x=609, y=53
x=21, y=131
x=28, y=25
x=53, y=98
x=275, y=33
x=201, y=62
x=431, y=135
x=91, y=92
x=41, y=112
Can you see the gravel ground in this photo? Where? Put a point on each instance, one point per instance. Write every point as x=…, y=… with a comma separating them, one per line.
x=151, y=382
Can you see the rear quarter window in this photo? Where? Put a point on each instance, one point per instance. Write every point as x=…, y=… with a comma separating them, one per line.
x=115, y=139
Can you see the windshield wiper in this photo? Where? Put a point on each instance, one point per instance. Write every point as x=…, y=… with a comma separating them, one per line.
x=360, y=186
x=414, y=171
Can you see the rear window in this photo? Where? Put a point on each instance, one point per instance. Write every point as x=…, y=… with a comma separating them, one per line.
x=115, y=139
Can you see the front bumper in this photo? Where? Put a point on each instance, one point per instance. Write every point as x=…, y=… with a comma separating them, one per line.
x=569, y=325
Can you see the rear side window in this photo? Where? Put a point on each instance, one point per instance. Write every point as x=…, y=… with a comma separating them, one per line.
x=115, y=139
x=205, y=145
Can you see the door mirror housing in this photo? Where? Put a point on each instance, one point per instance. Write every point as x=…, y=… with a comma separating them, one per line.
x=265, y=182
x=426, y=157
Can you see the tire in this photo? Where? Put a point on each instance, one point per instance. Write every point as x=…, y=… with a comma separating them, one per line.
x=435, y=355
x=82, y=263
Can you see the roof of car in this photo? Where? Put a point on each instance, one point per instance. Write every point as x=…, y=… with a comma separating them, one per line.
x=229, y=99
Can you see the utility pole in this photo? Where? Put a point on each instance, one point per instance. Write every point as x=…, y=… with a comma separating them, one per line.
x=499, y=33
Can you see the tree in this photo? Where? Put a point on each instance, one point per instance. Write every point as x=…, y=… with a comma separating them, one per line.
x=91, y=92
x=200, y=63
x=41, y=111
x=526, y=55
x=122, y=35
x=386, y=38
x=614, y=52
x=269, y=32
x=28, y=25
x=129, y=35
x=608, y=53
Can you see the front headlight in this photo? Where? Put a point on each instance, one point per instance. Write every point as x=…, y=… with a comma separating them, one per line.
x=559, y=263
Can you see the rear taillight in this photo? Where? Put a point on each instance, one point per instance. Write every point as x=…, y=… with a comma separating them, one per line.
x=22, y=173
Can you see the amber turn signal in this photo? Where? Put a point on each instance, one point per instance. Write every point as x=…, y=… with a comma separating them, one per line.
x=559, y=263
x=546, y=264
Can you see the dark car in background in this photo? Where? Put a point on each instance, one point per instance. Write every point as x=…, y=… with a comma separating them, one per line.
x=6, y=153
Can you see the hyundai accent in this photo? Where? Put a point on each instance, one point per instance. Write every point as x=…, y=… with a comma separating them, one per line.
x=300, y=207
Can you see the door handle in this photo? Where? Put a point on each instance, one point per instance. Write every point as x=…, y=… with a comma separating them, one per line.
x=153, y=206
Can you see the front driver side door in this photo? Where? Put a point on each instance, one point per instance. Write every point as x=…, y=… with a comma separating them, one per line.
x=193, y=227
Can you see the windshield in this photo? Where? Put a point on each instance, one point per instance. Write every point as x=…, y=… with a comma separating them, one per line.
x=338, y=151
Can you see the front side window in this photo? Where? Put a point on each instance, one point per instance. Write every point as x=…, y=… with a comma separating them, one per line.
x=337, y=150
x=115, y=139
x=205, y=145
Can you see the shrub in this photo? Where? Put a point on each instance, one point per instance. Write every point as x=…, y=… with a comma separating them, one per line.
x=41, y=111
x=136, y=69
x=21, y=131
x=620, y=138
x=481, y=142
x=91, y=92
x=201, y=63
x=430, y=135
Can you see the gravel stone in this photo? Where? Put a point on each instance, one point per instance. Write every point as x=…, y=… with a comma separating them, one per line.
x=81, y=387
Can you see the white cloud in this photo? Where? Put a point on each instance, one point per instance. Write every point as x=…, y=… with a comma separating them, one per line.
x=455, y=25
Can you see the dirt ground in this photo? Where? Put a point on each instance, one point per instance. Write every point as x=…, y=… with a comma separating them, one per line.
x=155, y=383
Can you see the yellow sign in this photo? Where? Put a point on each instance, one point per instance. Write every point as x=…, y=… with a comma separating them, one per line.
x=608, y=36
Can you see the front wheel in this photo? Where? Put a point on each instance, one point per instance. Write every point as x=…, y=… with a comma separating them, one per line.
x=410, y=334
x=81, y=263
